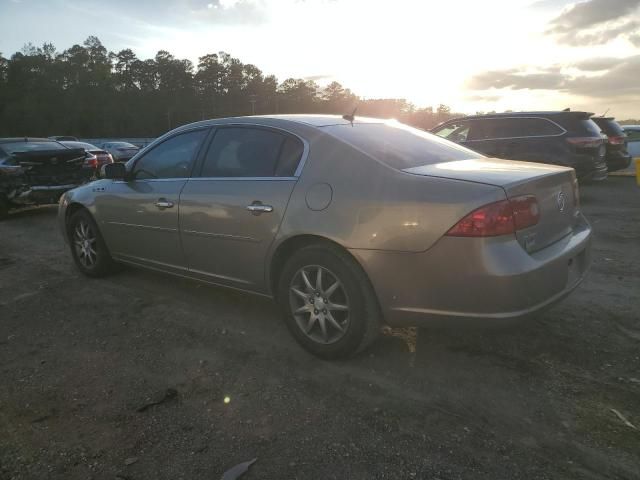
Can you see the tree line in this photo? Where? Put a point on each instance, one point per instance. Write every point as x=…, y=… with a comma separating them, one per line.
x=89, y=91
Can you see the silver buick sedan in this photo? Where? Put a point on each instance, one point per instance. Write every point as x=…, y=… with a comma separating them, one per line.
x=347, y=223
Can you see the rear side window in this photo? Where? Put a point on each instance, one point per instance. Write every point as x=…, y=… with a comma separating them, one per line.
x=591, y=127
x=251, y=152
x=497, y=128
x=400, y=146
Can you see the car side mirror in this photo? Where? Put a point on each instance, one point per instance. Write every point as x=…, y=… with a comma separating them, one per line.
x=115, y=171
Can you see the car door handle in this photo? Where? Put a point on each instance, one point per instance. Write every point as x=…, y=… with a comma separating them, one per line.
x=257, y=208
x=163, y=203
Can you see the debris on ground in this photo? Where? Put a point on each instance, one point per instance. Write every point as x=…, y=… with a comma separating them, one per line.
x=169, y=394
x=623, y=419
x=130, y=461
x=238, y=470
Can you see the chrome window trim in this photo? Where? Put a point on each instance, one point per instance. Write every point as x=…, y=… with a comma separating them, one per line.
x=224, y=179
x=301, y=162
x=564, y=131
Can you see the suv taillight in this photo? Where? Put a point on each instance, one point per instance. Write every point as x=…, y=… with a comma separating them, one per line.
x=499, y=218
x=617, y=140
x=585, y=142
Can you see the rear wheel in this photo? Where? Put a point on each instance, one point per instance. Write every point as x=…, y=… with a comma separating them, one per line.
x=328, y=303
x=88, y=249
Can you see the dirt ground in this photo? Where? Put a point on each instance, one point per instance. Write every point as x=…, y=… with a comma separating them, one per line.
x=80, y=359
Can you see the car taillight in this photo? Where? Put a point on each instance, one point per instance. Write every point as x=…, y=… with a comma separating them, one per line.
x=499, y=218
x=617, y=140
x=585, y=142
x=576, y=193
x=91, y=162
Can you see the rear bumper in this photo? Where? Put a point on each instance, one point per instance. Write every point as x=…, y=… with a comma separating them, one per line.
x=476, y=282
x=618, y=161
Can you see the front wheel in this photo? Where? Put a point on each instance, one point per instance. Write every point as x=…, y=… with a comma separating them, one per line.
x=328, y=303
x=88, y=249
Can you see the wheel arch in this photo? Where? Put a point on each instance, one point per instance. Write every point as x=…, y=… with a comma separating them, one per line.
x=287, y=247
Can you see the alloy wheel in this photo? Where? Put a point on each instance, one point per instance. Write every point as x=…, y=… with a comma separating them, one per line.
x=319, y=304
x=84, y=241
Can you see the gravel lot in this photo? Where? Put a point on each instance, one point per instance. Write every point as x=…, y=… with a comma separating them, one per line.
x=80, y=358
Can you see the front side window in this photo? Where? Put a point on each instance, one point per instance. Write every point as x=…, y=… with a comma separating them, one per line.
x=251, y=152
x=633, y=135
x=172, y=158
x=456, y=131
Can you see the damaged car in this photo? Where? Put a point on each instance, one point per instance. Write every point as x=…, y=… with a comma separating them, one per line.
x=37, y=171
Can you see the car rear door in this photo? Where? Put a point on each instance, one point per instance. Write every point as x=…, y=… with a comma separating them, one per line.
x=139, y=217
x=231, y=211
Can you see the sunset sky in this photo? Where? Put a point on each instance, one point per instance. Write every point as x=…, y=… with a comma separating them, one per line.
x=472, y=55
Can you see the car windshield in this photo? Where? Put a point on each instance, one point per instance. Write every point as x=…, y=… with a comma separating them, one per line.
x=400, y=146
x=14, y=147
x=122, y=145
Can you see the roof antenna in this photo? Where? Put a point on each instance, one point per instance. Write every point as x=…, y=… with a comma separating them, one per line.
x=606, y=111
x=352, y=117
x=566, y=109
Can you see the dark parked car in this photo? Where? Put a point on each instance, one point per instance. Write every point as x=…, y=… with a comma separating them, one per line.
x=120, y=151
x=37, y=171
x=618, y=156
x=98, y=156
x=565, y=138
x=346, y=222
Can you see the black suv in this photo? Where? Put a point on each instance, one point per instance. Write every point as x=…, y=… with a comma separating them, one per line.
x=565, y=138
x=617, y=155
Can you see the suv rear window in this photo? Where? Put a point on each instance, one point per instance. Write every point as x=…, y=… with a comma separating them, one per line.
x=400, y=146
x=591, y=127
x=609, y=126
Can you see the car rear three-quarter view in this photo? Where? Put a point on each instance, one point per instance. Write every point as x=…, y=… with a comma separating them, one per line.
x=347, y=224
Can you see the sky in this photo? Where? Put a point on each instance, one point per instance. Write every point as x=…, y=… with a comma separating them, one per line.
x=471, y=55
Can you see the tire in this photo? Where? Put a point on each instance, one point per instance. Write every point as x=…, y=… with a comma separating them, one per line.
x=315, y=313
x=88, y=249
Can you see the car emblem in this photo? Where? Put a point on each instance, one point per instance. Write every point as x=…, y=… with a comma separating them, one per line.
x=561, y=200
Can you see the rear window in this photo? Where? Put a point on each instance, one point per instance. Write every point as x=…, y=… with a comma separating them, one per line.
x=13, y=147
x=609, y=126
x=400, y=146
x=591, y=127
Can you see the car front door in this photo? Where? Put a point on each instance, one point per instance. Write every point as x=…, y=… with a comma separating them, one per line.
x=231, y=211
x=139, y=217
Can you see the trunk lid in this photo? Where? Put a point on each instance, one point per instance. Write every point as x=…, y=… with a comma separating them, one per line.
x=53, y=167
x=553, y=187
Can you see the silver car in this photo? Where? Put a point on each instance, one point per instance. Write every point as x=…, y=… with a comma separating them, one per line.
x=347, y=223
x=120, y=151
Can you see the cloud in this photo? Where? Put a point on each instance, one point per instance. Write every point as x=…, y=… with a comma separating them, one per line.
x=483, y=98
x=598, y=64
x=595, y=22
x=515, y=79
x=618, y=80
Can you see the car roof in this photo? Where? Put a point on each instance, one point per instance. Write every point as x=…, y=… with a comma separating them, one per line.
x=546, y=113
x=278, y=120
x=631, y=127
